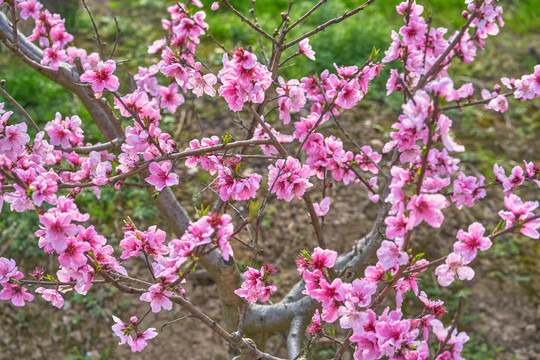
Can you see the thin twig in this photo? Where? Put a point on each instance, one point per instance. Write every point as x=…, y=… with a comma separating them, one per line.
x=329, y=23
x=472, y=103
x=303, y=17
x=263, y=50
x=252, y=25
x=14, y=102
x=173, y=321
x=98, y=147
x=455, y=322
x=98, y=37
x=117, y=37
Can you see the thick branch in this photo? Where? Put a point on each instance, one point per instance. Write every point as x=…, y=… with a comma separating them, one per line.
x=299, y=324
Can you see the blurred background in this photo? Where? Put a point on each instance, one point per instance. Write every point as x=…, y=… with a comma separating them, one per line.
x=502, y=312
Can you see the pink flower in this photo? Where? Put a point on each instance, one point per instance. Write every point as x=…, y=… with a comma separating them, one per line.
x=315, y=326
x=140, y=341
x=305, y=49
x=426, y=208
x=122, y=331
x=322, y=208
x=520, y=211
x=57, y=227
x=30, y=8
x=51, y=295
x=396, y=226
x=472, y=241
x=327, y=293
x=352, y=318
x=349, y=94
x=467, y=189
x=161, y=176
x=414, y=33
x=59, y=36
x=15, y=137
x=393, y=331
x=359, y=292
x=170, y=98
x=417, y=110
x=44, y=188
x=456, y=340
x=367, y=347
x=157, y=296
x=288, y=179
x=455, y=266
x=53, y=56
x=16, y=293
x=436, y=307
x=322, y=258
x=8, y=268
x=514, y=180
x=73, y=256
x=389, y=255
x=498, y=102
x=202, y=83
x=102, y=77
x=132, y=245
x=256, y=286
x=530, y=229
x=231, y=185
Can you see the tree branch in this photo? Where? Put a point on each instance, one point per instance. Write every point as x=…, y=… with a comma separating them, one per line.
x=329, y=23
x=14, y=102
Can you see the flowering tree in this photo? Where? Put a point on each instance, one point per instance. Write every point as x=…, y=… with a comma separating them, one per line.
x=413, y=180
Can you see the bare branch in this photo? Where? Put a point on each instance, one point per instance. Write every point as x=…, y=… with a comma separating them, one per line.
x=303, y=17
x=299, y=324
x=98, y=147
x=14, y=102
x=263, y=50
x=252, y=25
x=98, y=36
x=329, y=23
x=455, y=322
x=473, y=103
x=117, y=37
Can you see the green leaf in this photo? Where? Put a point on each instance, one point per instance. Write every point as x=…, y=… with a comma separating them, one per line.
x=331, y=331
x=306, y=255
x=226, y=138
x=418, y=257
x=499, y=226
x=254, y=207
x=203, y=211
x=374, y=52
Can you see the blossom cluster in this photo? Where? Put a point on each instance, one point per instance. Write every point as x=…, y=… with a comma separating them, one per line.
x=388, y=334
x=256, y=286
